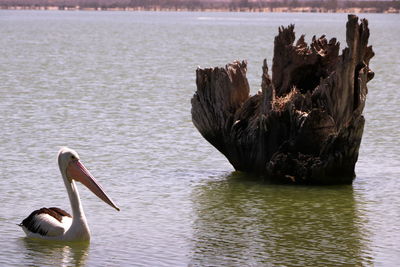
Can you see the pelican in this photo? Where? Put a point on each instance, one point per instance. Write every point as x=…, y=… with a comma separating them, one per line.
x=57, y=224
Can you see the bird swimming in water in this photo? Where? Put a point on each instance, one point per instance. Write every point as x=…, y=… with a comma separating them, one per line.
x=57, y=224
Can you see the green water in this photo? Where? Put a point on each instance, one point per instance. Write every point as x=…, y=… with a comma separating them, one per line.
x=116, y=87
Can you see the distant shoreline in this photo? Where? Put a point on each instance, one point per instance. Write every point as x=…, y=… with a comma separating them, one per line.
x=255, y=10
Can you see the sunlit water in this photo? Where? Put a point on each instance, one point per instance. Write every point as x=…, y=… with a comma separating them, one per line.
x=117, y=86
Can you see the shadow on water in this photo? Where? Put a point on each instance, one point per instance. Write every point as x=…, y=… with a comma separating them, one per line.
x=247, y=222
x=48, y=253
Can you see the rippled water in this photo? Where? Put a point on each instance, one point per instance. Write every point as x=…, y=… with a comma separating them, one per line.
x=116, y=86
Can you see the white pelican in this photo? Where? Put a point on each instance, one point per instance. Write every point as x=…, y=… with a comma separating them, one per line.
x=57, y=224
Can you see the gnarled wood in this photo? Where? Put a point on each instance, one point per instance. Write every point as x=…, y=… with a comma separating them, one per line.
x=305, y=124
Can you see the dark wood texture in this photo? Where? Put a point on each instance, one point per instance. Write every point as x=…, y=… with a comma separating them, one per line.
x=305, y=124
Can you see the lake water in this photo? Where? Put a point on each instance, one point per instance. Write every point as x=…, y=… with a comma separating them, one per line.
x=116, y=86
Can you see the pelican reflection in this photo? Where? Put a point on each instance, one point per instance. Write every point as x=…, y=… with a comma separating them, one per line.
x=46, y=253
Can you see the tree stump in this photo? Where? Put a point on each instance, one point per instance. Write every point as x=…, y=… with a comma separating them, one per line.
x=305, y=124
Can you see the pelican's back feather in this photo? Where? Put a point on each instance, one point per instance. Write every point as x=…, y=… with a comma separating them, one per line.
x=47, y=222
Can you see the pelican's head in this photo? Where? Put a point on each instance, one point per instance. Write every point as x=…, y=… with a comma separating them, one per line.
x=72, y=169
x=65, y=157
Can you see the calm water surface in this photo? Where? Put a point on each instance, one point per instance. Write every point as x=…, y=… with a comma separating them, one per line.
x=116, y=87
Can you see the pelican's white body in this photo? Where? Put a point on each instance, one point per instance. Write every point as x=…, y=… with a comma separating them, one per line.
x=69, y=229
x=45, y=226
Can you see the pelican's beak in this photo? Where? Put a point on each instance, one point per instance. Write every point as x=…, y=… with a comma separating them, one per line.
x=77, y=171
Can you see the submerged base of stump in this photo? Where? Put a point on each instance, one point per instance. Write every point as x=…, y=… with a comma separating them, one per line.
x=305, y=124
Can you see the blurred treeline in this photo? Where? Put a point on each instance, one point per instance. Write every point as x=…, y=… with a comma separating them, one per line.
x=378, y=5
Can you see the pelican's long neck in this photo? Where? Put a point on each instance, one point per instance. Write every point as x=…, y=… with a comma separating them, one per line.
x=79, y=229
x=73, y=194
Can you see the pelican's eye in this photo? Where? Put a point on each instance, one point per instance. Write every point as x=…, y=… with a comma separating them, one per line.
x=73, y=157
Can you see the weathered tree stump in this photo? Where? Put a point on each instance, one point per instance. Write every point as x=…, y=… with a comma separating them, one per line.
x=305, y=124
